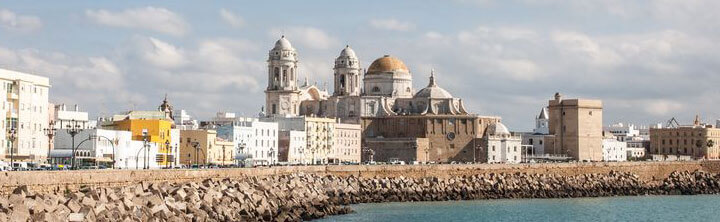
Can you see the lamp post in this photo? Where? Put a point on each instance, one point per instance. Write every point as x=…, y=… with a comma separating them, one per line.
x=73, y=129
x=196, y=145
x=223, y=156
x=241, y=147
x=50, y=132
x=270, y=154
x=12, y=133
x=167, y=153
x=146, y=139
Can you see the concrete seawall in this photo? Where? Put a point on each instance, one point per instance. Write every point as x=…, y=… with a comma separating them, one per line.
x=72, y=180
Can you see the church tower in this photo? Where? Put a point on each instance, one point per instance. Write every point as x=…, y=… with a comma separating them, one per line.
x=282, y=94
x=347, y=74
x=541, y=122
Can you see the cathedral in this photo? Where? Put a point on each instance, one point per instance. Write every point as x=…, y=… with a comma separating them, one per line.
x=398, y=122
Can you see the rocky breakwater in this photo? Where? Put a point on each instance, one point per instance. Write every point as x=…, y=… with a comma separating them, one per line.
x=297, y=197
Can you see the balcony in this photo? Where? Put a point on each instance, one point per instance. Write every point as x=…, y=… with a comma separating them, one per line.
x=13, y=95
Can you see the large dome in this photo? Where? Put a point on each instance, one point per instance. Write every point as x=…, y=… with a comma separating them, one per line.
x=387, y=63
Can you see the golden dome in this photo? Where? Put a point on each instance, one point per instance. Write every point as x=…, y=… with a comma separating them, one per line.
x=387, y=64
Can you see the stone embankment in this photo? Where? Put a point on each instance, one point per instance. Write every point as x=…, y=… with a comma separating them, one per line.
x=301, y=196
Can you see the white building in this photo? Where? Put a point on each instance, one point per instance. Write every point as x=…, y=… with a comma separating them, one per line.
x=623, y=132
x=319, y=134
x=613, y=150
x=64, y=118
x=183, y=121
x=101, y=147
x=24, y=109
x=500, y=146
x=255, y=141
x=536, y=139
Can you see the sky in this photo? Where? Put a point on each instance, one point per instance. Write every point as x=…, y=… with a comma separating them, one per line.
x=648, y=61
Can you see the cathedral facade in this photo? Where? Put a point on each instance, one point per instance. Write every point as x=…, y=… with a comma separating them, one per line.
x=398, y=122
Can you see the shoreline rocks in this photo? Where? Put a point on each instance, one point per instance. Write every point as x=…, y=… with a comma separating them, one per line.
x=298, y=197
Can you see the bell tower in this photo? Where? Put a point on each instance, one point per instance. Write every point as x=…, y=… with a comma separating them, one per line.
x=282, y=94
x=347, y=73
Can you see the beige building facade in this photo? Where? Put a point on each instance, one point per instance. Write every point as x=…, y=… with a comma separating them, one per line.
x=203, y=147
x=697, y=141
x=24, y=110
x=576, y=126
x=346, y=144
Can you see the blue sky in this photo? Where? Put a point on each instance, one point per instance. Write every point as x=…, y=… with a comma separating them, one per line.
x=647, y=60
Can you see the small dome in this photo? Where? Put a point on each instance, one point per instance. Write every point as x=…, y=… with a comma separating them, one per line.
x=433, y=91
x=497, y=129
x=347, y=52
x=283, y=43
x=387, y=63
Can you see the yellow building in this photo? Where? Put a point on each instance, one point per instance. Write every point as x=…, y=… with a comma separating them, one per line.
x=150, y=125
x=203, y=147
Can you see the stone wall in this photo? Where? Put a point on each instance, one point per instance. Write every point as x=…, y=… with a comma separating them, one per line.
x=73, y=180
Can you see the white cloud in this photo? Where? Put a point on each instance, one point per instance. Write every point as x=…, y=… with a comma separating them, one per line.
x=310, y=37
x=11, y=21
x=392, y=24
x=519, y=69
x=149, y=18
x=231, y=18
x=160, y=53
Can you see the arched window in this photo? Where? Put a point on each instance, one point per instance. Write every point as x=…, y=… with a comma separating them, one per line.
x=285, y=77
x=276, y=76
x=292, y=74
x=376, y=89
x=342, y=81
x=407, y=90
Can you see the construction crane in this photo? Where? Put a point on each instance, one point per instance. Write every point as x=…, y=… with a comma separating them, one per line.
x=672, y=123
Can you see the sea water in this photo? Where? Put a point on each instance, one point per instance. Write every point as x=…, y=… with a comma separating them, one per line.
x=636, y=208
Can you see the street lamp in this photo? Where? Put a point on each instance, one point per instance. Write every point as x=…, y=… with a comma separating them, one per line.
x=196, y=145
x=73, y=129
x=12, y=133
x=270, y=154
x=241, y=147
x=146, y=146
x=223, y=160
x=50, y=132
x=167, y=153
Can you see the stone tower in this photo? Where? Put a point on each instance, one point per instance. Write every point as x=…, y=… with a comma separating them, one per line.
x=577, y=128
x=347, y=73
x=282, y=94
